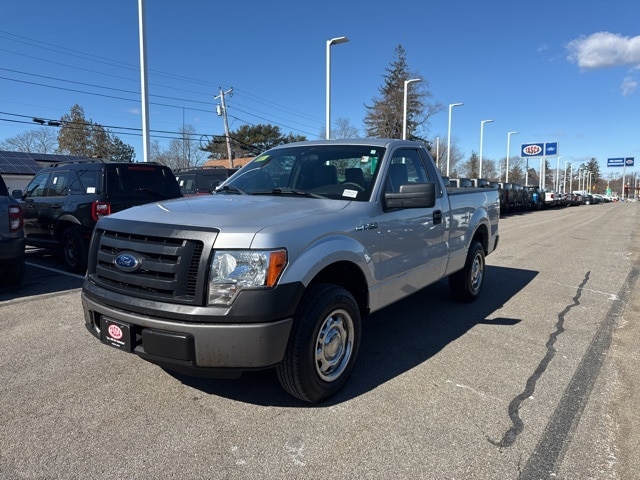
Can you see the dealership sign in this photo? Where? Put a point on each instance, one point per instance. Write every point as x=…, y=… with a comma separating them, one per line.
x=620, y=162
x=548, y=149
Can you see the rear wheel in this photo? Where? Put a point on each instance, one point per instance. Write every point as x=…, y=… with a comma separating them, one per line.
x=465, y=285
x=323, y=344
x=74, y=250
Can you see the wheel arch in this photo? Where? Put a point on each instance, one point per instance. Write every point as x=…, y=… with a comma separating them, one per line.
x=65, y=222
x=347, y=275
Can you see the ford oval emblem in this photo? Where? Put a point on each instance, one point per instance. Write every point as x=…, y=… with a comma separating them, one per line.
x=127, y=261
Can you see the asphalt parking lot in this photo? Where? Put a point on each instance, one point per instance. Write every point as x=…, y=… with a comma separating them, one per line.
x=534, y=380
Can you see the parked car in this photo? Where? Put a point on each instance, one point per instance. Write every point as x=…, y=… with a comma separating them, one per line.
x=202, y=181
x=574, y=199
x=11, y=238
x=63, y=202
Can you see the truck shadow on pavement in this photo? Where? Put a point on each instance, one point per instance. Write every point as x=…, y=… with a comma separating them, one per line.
x=40, y=280
x=395, y=340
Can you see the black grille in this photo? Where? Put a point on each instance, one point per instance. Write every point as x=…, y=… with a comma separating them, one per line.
x=168, y=270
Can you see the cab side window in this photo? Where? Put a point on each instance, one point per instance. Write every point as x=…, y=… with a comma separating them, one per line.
x=59, y=186
x=37, y=187
x=406, y=167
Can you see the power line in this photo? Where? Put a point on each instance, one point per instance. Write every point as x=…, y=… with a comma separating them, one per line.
x=111, y=62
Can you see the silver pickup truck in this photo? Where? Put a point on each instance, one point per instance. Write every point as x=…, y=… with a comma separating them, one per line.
x=281, y=265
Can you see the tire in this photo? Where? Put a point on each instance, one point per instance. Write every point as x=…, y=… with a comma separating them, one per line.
x=323, y=344
x=466, y=284
x=12, y=272
x=74, y=250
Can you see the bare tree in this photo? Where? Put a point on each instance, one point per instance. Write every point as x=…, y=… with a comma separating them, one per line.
x=342, y=129
x=440, y=156
x=182, y=152
x=40, y=140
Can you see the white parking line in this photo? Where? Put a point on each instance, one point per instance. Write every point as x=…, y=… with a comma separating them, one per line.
x=55, y=270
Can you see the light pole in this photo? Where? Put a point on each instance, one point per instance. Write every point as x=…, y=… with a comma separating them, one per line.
x=556, y=183
x=481, y=138
x=508, y=148
x=564, y=179
x=580, y=180
x=571, y=178
x=404, y=116
x=333, y=41
x=451, y=105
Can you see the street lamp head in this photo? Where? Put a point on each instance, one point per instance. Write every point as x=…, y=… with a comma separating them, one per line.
x=407, y=82
x=451, y=105
x=335, y=41
x=486, y=121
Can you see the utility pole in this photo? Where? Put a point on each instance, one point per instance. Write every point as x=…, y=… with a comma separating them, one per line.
x=226, y=124
x=143, y=82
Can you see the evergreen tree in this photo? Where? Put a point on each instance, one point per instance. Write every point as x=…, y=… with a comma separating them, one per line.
x=385, y=118
x=74, y=136
x=472, y=167
x=82, y=137
x=249, y=140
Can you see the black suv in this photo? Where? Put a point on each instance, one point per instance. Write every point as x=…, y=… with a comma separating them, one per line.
x=63, y=202
x=202, y=180
x=11, y=239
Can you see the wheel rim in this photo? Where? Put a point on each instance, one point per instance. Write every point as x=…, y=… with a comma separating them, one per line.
x=71, y=251
x=334, y=345
x=477, y=272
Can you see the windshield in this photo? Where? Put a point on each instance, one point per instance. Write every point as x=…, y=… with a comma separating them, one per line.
x=345, y=172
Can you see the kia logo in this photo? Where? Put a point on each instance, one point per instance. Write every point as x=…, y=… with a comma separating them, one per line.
x=127, y=262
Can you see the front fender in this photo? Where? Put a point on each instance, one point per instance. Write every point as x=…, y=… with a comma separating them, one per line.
x=325, y=252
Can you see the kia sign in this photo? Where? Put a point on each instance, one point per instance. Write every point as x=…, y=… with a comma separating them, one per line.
x=532, y=149
x=548, y=149
x=620, y=162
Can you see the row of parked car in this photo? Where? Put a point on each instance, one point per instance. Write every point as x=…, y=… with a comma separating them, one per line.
x=516, y=198
x=62, y=203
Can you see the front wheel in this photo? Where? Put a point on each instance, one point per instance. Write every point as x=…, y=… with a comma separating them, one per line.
x=323, y=344
x=74, y=250
x=465, y=284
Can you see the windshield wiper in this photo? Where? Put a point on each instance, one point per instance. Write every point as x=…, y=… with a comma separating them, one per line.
x=288, y=191
x=230, y=189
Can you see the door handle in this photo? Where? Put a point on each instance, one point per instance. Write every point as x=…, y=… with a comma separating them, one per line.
x=437, y=217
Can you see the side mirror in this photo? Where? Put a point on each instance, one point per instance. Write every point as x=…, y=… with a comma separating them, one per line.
x=412, y=195
x=17, y=194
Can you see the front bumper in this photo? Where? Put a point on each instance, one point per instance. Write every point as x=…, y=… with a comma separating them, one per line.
x=196, y=347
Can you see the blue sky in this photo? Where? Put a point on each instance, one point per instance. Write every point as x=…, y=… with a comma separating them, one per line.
x=555, y=71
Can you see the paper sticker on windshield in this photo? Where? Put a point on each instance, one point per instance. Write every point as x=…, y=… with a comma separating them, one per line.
x=261, y=158
x=349, y=193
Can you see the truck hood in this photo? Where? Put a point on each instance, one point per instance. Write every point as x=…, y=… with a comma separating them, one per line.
x=237, y=212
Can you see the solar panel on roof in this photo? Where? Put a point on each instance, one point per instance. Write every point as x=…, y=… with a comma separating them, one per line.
x=18, y=163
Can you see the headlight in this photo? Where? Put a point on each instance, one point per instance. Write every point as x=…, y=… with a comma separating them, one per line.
x=234, y=270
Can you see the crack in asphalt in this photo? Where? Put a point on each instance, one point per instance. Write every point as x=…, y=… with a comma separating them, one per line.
x=510, y=436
